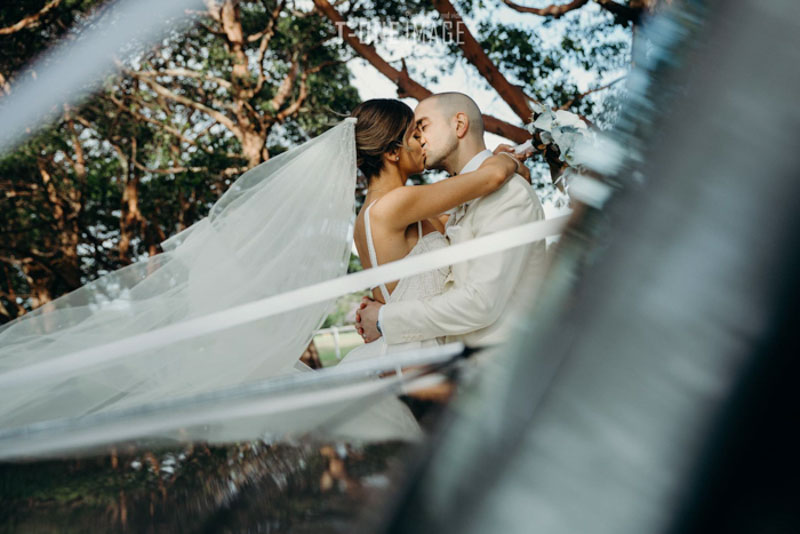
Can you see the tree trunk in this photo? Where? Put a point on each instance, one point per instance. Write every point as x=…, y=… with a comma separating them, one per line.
x=253, y=146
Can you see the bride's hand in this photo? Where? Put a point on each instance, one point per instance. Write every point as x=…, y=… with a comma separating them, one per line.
x=523, y=170
x=502, y=167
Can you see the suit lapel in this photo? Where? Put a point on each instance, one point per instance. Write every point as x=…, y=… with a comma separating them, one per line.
x=454, y=222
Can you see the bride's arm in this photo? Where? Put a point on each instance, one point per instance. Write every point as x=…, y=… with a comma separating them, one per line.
x=406, y=205
x=524, y=171
x=439, y=222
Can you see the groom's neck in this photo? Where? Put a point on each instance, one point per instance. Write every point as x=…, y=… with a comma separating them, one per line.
x=466, y=150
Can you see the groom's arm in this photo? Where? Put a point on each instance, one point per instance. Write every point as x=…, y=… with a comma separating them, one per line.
x=491, y=281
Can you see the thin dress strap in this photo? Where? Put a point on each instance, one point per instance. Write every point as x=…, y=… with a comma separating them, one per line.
x=419, y=228
x=373, y=258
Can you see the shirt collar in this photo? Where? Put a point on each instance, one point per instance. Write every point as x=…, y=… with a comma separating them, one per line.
x=476, y=161
x=472, y=165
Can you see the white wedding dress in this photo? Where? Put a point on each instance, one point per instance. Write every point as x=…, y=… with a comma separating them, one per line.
x=73, y=375
x=388, y=417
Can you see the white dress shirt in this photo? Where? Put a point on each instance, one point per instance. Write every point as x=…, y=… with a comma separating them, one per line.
x=472, y=165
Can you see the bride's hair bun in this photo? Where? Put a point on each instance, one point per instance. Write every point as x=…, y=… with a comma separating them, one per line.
x=381, y=126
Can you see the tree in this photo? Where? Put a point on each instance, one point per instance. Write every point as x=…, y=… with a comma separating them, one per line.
x=147, y=155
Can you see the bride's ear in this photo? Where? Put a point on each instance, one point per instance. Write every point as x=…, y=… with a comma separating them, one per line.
x=392, y=156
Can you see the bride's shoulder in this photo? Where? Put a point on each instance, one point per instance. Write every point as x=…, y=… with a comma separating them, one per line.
x=388, y=204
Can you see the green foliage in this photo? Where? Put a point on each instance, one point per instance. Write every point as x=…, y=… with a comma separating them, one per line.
x=106, y=183
x=152, y=165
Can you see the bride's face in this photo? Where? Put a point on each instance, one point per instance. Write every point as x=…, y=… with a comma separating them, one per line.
x=412, y=154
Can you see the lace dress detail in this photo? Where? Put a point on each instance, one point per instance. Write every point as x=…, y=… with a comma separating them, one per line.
x=427, y=284
x=417, y=287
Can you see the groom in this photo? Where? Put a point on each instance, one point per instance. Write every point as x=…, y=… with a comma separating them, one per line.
x=482, y=295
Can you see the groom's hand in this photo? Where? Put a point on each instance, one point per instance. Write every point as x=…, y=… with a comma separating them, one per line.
x=367, y=319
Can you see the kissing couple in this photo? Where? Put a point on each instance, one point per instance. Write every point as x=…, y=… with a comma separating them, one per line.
x=475, y=301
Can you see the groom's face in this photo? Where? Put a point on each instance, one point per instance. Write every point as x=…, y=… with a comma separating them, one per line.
x=438, y=136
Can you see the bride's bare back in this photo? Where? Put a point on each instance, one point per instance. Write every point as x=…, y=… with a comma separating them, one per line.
x=390, y=244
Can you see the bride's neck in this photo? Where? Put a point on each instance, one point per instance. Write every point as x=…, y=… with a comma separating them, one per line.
x=388, y=179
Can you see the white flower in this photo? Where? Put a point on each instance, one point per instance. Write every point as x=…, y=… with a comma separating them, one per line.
x=545, y=120
x=567, y=118
x=565, y=138
x=562, y=129
x=536, y=107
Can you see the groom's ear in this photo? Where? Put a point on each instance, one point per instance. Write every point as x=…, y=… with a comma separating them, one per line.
x=462, y=124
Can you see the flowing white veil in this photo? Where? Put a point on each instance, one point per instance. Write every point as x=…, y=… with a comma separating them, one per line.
x=282, y=225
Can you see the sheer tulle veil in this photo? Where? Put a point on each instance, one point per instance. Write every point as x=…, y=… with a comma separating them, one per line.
x=282, y=225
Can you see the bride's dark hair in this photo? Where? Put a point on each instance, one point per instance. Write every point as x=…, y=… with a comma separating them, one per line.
x=381, y=127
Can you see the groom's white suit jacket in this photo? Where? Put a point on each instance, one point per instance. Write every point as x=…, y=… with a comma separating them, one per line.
x=482, y=296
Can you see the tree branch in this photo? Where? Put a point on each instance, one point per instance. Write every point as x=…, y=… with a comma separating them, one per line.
x=79, y=165
x=166, y=93
x=187, y=73
x=405, y=85
x=581, y=96
x=317, y=68
x=31, y=255
x=233, y=171
x=30, y=20
x=512, y=94
x=5, y=87
x=266, y=37
x=169, y=170
x=270, y=27
x=285, y=88
x=301, y=97
x=209, y=29
x=555, y=10
x=231, y=21
x=622, y=13
x=166, y=127
x=51, y=193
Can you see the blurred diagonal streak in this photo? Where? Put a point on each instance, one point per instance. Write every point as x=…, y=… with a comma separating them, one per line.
x=652, y=395
x=73, y=68
x=269, y=407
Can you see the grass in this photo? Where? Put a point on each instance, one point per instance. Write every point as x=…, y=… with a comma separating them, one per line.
x=327, y=347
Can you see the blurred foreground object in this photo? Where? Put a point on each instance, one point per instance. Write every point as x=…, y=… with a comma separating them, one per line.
x=652, y=392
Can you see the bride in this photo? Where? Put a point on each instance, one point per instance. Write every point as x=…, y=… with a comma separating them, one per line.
x=284, y=224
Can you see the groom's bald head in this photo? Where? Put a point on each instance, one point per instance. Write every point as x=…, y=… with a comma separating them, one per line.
x=451, y=103
x=451, y=125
